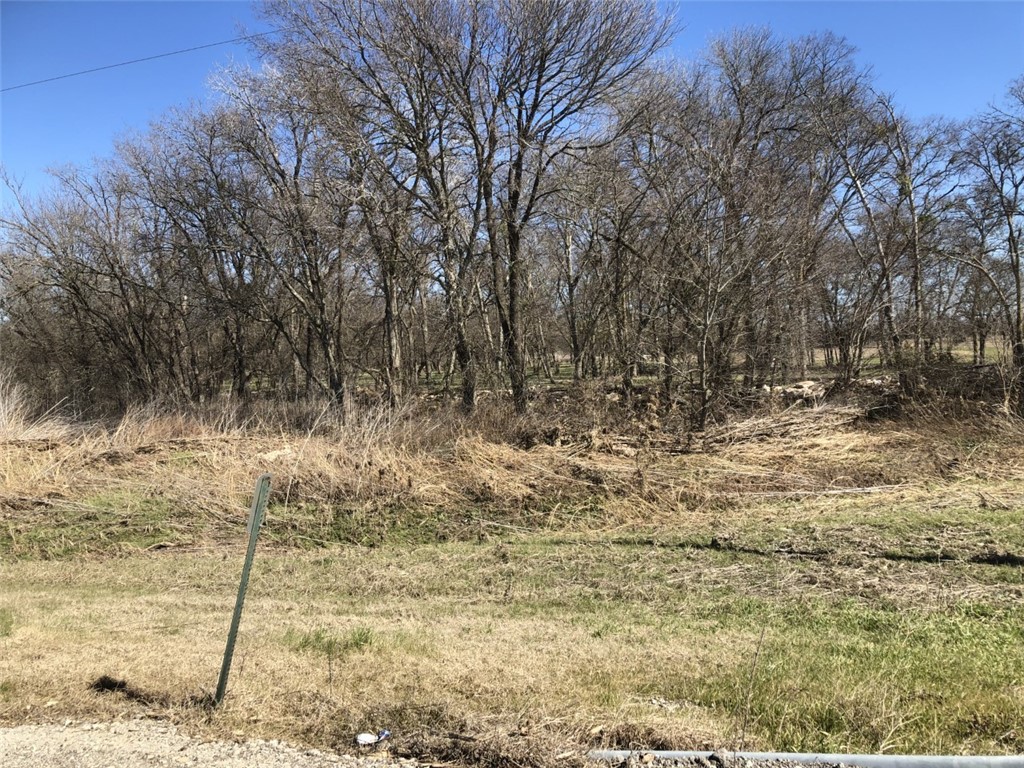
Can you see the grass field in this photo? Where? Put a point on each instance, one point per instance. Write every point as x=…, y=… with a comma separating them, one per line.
x=807, y=581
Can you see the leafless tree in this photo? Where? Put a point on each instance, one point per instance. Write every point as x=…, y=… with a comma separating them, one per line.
x=485, y=96
x=993, y=150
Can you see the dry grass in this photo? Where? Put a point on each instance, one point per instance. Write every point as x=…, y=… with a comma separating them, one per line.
x=506, y=603
x=19, y=422
x=510, y=648
x=422, y=670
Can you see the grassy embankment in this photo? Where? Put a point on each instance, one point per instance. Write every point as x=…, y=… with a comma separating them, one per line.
x=806, y=581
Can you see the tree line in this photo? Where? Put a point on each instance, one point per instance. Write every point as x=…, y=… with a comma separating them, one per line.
x=478, y=194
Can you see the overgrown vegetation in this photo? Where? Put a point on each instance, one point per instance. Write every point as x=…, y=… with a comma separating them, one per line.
x=495, y=590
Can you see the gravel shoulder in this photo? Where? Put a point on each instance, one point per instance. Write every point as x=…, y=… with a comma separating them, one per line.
x=148, y=744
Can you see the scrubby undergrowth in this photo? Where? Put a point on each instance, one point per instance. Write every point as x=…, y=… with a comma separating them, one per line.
x=505, y=591
x=580, y=462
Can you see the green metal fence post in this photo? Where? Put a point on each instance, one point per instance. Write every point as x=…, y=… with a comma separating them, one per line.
x=259, y=506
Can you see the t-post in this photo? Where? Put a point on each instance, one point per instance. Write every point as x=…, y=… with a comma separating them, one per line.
x=259, y=506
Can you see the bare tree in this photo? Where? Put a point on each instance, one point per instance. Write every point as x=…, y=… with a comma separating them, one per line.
x=485, y=96
x=993, y=150
x=99, y=257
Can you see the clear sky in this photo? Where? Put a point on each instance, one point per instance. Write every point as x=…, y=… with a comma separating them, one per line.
x=946, y=58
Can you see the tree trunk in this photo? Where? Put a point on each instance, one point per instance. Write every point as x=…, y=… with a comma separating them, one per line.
x=1017, y=377
x=392, y=341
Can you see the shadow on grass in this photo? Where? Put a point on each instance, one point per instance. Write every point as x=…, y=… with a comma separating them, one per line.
x=989, y=557
x=105, y=684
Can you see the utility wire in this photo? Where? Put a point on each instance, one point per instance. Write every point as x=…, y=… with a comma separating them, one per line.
x=135, y=61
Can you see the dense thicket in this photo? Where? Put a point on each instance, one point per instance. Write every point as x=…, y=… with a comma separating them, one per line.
x=477, y=193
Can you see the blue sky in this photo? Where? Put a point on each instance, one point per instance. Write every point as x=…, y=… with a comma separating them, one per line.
x=947, y=58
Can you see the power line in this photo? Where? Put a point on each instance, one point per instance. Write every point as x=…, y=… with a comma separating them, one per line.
x=135, y=61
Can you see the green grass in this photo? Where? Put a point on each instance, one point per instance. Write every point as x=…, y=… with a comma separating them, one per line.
x=107, y=522
x=326, y=643
x=859, y=679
